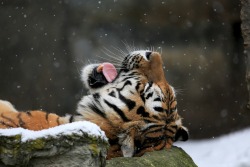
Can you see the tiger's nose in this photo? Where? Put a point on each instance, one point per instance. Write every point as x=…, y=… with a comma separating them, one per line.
x=148, y=54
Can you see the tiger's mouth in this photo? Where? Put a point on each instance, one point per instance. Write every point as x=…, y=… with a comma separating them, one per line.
x=103, y=74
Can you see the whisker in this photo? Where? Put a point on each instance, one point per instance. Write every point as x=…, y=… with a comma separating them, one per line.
x=116, y=56
x=127, y=46
x=179, y=91
x=123, y=54
x=110, y=60
x=89, y=61
x=112, y=56
x=133, y=47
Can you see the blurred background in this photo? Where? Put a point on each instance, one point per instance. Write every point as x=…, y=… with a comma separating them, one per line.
x=44, y=44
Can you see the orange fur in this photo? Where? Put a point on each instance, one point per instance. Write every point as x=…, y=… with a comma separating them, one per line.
x=32, y=120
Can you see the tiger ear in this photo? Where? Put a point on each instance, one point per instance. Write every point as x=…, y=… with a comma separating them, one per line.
x=182, y=134
x=127, y=144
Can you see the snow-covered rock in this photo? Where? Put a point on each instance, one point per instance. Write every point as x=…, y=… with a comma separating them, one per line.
x=74, y=144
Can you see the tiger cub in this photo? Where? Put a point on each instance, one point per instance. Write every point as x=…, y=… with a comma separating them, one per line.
x=137, y=110
x=136, y=107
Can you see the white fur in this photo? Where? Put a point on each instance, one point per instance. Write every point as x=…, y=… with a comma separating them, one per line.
x=174, y=92
x=8, y=105
x=86, y=71
x=178, y=122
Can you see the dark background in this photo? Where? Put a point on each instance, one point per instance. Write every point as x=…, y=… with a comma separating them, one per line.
x=44, y=44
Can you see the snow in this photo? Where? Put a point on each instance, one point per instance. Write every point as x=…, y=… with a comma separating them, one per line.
x=66, y=129
x=232, y=150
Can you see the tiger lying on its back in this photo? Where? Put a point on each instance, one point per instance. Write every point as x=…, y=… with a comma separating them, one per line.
x=136, y=109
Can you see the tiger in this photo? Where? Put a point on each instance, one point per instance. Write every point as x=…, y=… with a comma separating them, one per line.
x=136, y=107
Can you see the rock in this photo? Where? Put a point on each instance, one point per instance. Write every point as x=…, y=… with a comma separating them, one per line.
x=75, y=144
x=174, y=157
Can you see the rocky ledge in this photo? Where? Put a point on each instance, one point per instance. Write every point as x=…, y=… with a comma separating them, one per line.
x=75, y=144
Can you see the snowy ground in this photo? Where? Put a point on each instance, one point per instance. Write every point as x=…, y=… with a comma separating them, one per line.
x=232, y=150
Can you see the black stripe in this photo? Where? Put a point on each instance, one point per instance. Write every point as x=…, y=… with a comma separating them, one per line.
x=149, y=95
x=142, y=97
x=137, y=86
x=118, y=111
x=78, y=114
x=150, y=127
x=130, y=104
x=156, y=117
x=47, y=117
x=28, y=113
x=94, y=108
x=170, y=130
x=141, y=111
x=147, y=120
x=125, y=84
x=71, y=119
x=157, y=99
x=112, y=93
x=149, y=86
x=126, y=78
x=153, y=131
x=159, y=109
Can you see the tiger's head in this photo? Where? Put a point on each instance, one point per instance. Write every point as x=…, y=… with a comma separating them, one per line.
x=146, y=63
x=154, y=123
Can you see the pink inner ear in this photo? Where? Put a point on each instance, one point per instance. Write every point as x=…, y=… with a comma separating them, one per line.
x=109, y=71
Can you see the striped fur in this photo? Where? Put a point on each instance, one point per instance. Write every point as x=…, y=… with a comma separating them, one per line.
x=33, y=120
x=137, y=110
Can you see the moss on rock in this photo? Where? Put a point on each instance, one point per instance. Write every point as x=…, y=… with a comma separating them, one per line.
x=174, y=157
